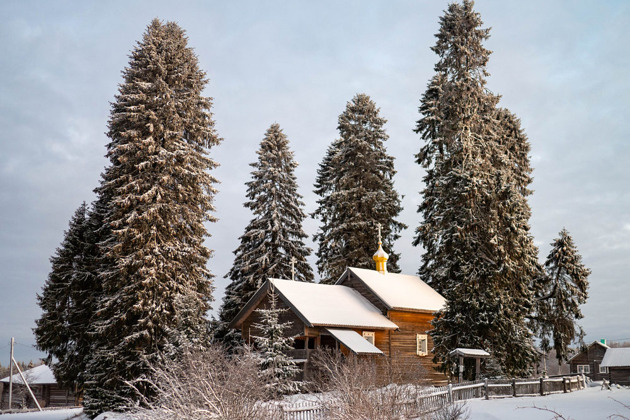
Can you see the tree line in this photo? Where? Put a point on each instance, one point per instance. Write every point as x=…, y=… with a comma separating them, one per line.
x=129, y=285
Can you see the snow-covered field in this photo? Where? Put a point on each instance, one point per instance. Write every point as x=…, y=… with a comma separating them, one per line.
x=589, y=404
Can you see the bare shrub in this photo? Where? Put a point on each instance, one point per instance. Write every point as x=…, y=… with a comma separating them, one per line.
x=208, y=384
x=457, y=411
x=357, y=388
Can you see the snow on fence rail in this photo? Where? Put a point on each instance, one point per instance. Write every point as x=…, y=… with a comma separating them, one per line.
x=434, y=398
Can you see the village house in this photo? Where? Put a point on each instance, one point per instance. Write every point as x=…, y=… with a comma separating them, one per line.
x=366, y=313
x=44, y=387
x=617, y=364
x=588, y=361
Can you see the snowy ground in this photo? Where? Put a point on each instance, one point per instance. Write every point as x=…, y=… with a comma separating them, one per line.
x=71, y=413
x=589, y=404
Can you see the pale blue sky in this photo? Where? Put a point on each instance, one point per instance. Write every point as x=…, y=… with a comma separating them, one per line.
x=562, y=67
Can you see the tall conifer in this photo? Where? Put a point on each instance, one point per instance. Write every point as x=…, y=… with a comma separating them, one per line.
x=61, y=330
x=565, y=288
x=478, y=250
x=274, y=237
x=156, y=287
x=355, y=183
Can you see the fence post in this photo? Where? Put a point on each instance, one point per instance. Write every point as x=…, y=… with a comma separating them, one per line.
x=485, y=387
x=514, y=387
x=564, y=384
x=542, y=386
x=450, y=393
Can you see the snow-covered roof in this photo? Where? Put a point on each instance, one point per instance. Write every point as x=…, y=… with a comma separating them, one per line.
x=39, y=375
x=356, y=343
x=321, y=305
x=616, y=357
x=330, y=305
x=400, y=291
x=464, y=352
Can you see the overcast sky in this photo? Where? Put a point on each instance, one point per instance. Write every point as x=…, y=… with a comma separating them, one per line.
x=561, y=66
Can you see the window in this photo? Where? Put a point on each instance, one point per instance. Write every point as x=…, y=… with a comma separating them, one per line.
x=369, y=336
x=422, y=344
x=583, y=369
x=603, y=369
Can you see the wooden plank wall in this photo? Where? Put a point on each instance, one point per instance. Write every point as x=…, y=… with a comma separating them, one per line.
x=619, y=375
x=403, y=341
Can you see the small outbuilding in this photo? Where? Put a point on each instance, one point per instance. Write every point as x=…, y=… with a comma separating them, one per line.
x=617, y=364
x=44, y=387
x=464, y=353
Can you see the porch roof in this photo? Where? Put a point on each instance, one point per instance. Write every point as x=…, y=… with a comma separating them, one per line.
x=473, y=353
x=351, y=339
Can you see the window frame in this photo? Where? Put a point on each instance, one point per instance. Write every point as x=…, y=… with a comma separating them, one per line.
x=369, y=336
x=585, y=369
x=422, y=344
x=603, y=369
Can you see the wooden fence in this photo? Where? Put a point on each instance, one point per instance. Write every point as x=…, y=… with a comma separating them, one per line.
x=433, y=398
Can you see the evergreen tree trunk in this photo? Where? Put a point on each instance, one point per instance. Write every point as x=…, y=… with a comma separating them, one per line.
x=274, y=237
x=156, y=287
x=355, y=183
x=479, y=253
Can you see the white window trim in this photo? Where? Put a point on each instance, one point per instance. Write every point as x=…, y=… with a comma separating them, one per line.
x=369, y=336
x=584, y=369
x=422, y=345
x=603, y=369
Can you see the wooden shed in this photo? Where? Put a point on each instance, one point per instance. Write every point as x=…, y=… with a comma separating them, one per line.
x=617, y=363
x=44, y=387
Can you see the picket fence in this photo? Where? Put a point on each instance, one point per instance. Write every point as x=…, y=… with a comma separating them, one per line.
x=433, y=398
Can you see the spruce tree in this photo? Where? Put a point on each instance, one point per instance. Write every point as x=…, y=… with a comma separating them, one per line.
x=274, y=237
x=277, y=368
x=355, y=183
x=61, y=329
x=478, y=250
x=565, y=288
x=158, y=192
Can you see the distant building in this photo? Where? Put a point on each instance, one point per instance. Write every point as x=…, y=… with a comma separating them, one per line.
x=44, y=387
x=617, y=363
x=588, y=361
